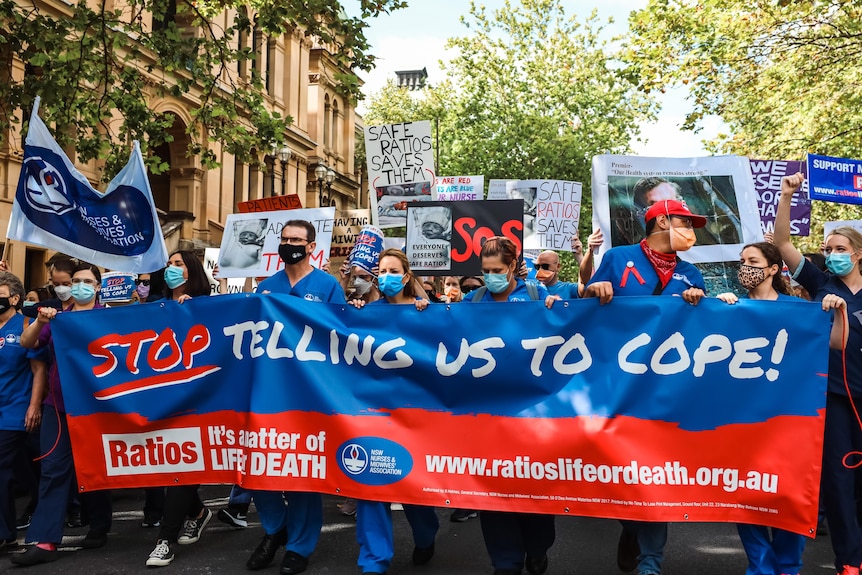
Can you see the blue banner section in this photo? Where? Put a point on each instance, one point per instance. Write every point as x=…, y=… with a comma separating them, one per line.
x=652, y=358
x=835, y=179
x=56, y=207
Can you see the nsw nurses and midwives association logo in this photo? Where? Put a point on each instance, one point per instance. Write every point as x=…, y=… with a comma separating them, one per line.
x=354, y=458
x=374, y=460
x=46, y=190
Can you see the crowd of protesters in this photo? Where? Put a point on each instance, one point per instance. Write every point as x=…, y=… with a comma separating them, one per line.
x=36, y=452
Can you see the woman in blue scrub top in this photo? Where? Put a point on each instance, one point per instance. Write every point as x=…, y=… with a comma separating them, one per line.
x=775, y=551
x=374, y=518
x=842, y=434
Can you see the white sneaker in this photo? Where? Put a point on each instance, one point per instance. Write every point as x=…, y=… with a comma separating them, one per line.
x=193, y=527
x=162, y=555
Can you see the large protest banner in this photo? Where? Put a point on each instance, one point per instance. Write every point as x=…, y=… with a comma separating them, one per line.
x=835, y=179
x=767, y=176
x=718, y=187
x=460, y=188
x=447, y=237
x=639, y=409
x=400, y=160
x=249, y=246
x=56, y=207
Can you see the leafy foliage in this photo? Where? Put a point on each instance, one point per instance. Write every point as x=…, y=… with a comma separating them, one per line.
x=98, y=65
x=532, y=93
x=784, y=76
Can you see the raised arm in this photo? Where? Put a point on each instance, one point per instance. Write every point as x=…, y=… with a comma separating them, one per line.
x=789, y=253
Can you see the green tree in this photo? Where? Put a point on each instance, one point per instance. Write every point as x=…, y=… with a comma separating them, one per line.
x=532, y=93
x=784, y=76
x=96, y=67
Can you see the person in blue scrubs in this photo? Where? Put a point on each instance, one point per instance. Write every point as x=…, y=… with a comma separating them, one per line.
x=298, y=525
x=23, y=381
x=513, y=540
x=650, y=267
x=374, y=518
x=548, y=267
x=775, y=551
x=842, y=434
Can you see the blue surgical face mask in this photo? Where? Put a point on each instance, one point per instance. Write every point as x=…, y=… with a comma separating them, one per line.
x=839, y=264
x=390, y=284
x=497, y=283
x=83, y=293
x=29, y=303
x=174, y=277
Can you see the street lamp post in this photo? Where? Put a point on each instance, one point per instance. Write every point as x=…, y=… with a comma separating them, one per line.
x=284, y=155
x=272, y=155
x=324, y=175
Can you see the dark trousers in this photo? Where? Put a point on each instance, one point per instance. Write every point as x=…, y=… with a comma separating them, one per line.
x=181, y=501
x=56, y=482
x=509, y=537
x=12, y=443
x=838, y=484
x=154, y=502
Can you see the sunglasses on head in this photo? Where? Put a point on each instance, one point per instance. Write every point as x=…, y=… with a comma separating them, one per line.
x=542, y=266
x=144, y=282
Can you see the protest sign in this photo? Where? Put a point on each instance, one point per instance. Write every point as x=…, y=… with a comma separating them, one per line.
x=497, y=189
x=445, y=238
x=56, y=207
x=271, y=204
x=767, y=176
x=719, y=188
x=835, y=179
x=249, y=247
x=552, y=209
x=117, y=287
x=345, y=230
x=460, y=188
x=400, y=169
x=234, y=285
x=366, y=250
x=713, y=413
x=829, y=227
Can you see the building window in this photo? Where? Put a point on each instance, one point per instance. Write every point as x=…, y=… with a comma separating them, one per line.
x=327, y=112
x=336, y=130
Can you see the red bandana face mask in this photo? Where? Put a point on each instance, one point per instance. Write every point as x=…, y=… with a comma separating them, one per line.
x=663, y=264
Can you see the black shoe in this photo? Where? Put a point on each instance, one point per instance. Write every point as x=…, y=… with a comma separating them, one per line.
x=151, y=520
x=293, y=562
x=266, y=550
x=822, y=529
x=462, y=515
x=9, y=545
x=74, y=520
x=34, y=556
x=233, y=516
x=536, y=565
x=628, y=551
x=422, y=555
x=94, y=540
x=23, y=522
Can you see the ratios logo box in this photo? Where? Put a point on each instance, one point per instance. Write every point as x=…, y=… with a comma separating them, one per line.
x=164, y=451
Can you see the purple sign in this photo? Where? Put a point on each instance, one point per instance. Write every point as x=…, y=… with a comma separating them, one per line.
x=767, y=176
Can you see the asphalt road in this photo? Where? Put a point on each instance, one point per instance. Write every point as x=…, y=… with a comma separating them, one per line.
x=584, y=546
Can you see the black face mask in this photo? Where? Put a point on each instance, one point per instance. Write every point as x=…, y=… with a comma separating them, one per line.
x=4, y=304
x=291, y=254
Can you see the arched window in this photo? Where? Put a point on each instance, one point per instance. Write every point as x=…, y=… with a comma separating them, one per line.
x=327, y=114
x=336, y=129
x=257, y=63
x=242, y=42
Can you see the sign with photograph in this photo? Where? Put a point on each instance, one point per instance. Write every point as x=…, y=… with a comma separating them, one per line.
x=400, y=169
x=234, y=285
x=767, y=176
x=249, y=247
x=552, y=209
x=445, y=238
x=460, y=188
x=720, y=188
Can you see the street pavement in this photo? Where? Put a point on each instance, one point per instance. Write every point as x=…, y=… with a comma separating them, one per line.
x=584, y=546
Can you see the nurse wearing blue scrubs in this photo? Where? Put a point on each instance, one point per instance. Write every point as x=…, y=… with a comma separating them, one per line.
x=374, y=518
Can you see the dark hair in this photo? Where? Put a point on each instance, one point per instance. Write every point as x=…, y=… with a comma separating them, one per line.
x=500, y=246
x=43, y=293
x=197, y=284
x=773, y=258
x=310, y=232
x=15, y=286
x=409, y=286
x=64, y=265
x=480, y=279
x=642, y=186
x=86, y=266
x=817, y=259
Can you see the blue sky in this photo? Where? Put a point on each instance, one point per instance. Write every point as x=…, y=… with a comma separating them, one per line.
x=414, y=38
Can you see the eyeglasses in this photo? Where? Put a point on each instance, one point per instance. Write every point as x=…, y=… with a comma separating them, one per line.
x=87, y=281
x=142, y=282
x=294, y=241
x=542, y=266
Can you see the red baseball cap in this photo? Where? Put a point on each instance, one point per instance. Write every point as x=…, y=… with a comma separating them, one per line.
x=674, y=208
